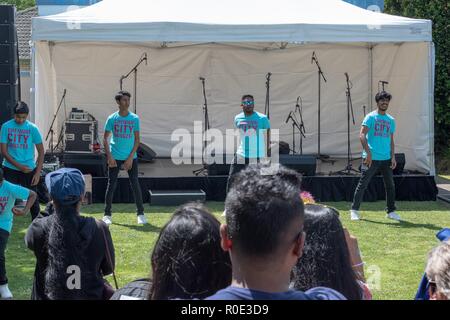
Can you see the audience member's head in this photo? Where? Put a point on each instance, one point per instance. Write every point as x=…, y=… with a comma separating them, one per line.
x=326, y=258
x=188, y=261
x=438, y=272
x=264, y=222
x=66, y=187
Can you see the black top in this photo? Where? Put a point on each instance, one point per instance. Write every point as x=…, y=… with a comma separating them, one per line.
x=93, y=247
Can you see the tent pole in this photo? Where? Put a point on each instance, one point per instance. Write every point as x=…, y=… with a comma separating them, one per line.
x=135, y=90
x=431, y=75
x=33, y=83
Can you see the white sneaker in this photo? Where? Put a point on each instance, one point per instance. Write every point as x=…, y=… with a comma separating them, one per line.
x=107, y=220
x=141, y=219
x=5, y=293
x=354, y=215
x=393, y=216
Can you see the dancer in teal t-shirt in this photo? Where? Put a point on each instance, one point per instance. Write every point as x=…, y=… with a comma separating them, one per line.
x=377, y=139
x=252, y=127
x=9, y=193
x=123, y=128
x=18, y=140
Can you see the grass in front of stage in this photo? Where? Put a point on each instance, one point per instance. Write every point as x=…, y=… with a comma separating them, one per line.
x=395, y=253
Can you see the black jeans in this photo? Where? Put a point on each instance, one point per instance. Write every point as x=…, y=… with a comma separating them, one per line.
x=239, y=163
x=384, y=167
x=4, y=235
x=24, y=180
x=135, y=187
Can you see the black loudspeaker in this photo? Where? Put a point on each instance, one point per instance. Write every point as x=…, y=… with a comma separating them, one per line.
x=401, y=160
x=9, y=95
x=7, y=32
x=9, y=64
x=88, y=163
x=7, y=14
x=304, y=164
x=145, y=153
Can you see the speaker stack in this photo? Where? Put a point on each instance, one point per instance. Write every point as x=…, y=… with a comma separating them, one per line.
x=9, y=63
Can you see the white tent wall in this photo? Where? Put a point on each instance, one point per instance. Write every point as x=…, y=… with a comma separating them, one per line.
x=170, y=97
x=44, y=88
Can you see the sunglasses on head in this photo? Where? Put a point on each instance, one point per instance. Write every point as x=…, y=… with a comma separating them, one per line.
x=432, y=286
x=299, y=235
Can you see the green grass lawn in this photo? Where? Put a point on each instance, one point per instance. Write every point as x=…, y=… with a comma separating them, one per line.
x=395, y=253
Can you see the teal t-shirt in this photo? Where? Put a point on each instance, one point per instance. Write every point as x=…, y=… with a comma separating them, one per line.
x=9, y=192
x=379, y=136
x=123, y=129
x=252, y=129
x=20, y=142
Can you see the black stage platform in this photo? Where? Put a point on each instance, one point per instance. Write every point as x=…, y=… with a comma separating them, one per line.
x=162, y=174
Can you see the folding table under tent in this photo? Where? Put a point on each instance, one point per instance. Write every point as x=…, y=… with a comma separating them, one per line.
x=233, y=44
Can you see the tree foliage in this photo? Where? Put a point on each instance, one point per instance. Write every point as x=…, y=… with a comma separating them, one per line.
x=438, y=12
x=20, y=4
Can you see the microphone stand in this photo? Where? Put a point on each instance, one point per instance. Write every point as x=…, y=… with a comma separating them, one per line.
x=267, y=111
x=302, y=124
x=349, y=168
x=267, y=107
x=320, y=77
x=134, y=71
x=51, y=131
x=294, y=125
x=206, y=127
x=383, y=83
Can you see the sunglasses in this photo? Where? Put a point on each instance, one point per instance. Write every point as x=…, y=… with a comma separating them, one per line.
x=248, y=103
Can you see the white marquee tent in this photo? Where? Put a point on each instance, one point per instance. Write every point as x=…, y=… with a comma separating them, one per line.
x=233, y=44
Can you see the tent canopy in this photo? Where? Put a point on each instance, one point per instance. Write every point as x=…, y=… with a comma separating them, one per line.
x=229, y=21
x=233, y=44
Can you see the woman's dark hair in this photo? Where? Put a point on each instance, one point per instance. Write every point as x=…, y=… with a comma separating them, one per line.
x=188, y=261
x=326, y=259
x=63, y=252
x=121, y=94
